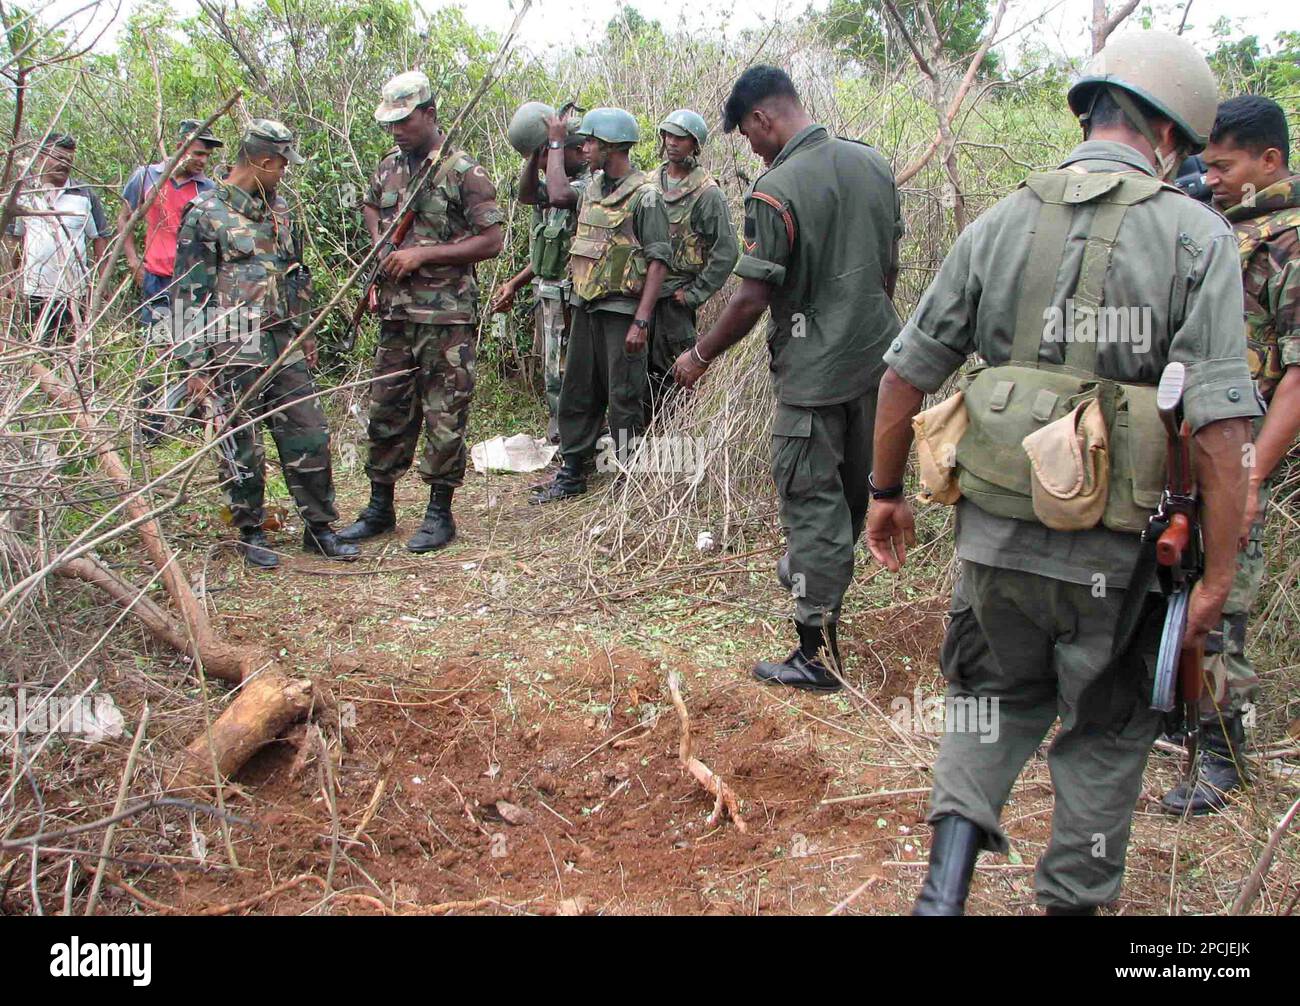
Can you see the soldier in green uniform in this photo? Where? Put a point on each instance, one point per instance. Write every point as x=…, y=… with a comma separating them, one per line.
x=821, y=235
x=618, y=260
x=1248, y=173
x=703, y=239
x=1035, y=610
x=244, y=295
x=424, y=365
x=548, y=264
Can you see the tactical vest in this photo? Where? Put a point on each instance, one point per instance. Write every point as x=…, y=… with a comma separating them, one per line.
x=548, y=249
x=606, y=256
x=1005, y=404
x=690, y=250
x=1262, y=351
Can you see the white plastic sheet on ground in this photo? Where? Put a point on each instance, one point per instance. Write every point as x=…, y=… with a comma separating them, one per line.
x=520, y=453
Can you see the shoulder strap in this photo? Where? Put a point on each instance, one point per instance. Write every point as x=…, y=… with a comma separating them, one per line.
x=1062, y=193
x=786, y=216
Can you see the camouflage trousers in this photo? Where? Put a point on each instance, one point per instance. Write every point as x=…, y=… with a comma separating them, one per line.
x=301, y=439
x=1233, y=683
x=424, y=380
x=553, y=333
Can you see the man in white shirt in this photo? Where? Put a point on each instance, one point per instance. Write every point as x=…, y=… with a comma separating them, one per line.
x=60, y=241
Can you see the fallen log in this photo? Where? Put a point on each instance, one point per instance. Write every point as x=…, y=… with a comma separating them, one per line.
x=264, y=708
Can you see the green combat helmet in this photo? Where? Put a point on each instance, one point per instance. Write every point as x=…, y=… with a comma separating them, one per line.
x=1165, y=71
x=527, y=129
x=269, y=136
x=684, y=122
x=612, y=125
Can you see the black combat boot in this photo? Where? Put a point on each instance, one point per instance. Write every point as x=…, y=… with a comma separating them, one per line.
x=954, y=845
x=804, y=668
x=378, y=516
x=438, y=528
x=320, y=539
x=570, y=480
x=1223, y=755
x=252, y=543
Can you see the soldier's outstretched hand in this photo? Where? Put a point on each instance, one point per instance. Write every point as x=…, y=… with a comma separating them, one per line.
x=890, y=530
x=686, y=371
x=503, y=300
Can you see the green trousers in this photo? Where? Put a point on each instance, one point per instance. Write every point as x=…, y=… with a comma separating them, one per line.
x=1019, y=651
x=600, y=374
x=821, y=458
x=674, y=332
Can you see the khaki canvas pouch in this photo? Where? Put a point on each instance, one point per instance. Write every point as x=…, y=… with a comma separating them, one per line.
x=1070, y=468
x=937, y=431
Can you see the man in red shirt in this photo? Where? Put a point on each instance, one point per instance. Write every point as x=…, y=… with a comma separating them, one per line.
x=162, y=220
x=153, y=272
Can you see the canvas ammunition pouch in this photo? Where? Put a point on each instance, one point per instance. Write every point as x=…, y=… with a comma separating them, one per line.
x=605, y=255
x=1056, y=443
x=690, y=249
x=548, y=252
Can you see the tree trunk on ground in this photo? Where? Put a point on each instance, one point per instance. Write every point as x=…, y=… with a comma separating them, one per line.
x=264, y=708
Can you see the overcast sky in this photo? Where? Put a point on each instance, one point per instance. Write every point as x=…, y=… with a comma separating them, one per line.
x=1061, y=24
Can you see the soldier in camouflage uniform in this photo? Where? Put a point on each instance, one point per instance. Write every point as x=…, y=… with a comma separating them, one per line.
x=703, y=239
x=1248, y=173
x=244, y=294
x=424, y=365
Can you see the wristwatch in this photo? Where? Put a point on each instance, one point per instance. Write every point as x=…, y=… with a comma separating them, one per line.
x=888, y=493
x=641, y=323
x=554, y=144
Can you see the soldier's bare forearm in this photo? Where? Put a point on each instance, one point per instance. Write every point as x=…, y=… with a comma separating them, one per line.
x=897, y=402
x=559, y=192
x=1281, y=425
x=370, y=215
x=654, y=281
x=528, y=180
x=738, y=317
x=1222, y=475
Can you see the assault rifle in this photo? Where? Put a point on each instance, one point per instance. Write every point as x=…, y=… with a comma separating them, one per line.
x=1175, y=529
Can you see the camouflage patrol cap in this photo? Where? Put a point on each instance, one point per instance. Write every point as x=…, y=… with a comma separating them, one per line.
x=402, y=95
x=188, y=126
x=270, y=136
